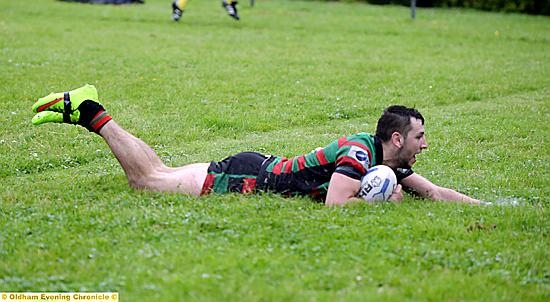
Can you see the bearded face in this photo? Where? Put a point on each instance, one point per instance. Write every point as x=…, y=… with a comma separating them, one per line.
x=413, y=143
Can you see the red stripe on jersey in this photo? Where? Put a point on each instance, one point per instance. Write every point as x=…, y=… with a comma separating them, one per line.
x=342, y=141
x=277, y=168
x=248, y=185
x=43, y=107
x=301, y=163
x=208, y=184
x=348, y=161
x=357, y=144
x=364, y=148
x=287, y=168
x=321, y=157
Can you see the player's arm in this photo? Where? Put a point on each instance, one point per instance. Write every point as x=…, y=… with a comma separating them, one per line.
x=352, y=159
x=427, y=189
x=342, y=189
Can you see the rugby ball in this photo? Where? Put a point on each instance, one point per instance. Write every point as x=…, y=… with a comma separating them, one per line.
x=378, y=184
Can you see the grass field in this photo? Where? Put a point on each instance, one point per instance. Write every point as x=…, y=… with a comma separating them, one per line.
x=290, y=76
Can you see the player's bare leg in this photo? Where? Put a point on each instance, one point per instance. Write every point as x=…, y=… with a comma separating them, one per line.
x=145, y=170
x=142, y=166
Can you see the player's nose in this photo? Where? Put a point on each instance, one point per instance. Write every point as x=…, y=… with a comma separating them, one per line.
x=423, y=143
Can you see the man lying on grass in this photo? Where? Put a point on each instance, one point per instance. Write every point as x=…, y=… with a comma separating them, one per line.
x=331, y=174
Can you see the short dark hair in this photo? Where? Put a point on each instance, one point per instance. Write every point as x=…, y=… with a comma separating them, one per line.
x=396, y=118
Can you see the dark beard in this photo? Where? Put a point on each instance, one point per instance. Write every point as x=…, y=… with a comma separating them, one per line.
x=403, y=163
x=405, y=166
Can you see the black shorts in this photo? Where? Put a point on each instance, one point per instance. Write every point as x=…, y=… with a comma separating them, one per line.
x=236, y=173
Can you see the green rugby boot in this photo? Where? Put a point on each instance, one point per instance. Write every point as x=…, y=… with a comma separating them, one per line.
x=79, y=106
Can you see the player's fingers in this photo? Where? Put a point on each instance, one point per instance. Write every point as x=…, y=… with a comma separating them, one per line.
x=51, y=102
x=397, y=189
x=397, y=194
x=47, y=117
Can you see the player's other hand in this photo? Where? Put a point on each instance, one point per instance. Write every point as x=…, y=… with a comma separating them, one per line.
x=397, y=195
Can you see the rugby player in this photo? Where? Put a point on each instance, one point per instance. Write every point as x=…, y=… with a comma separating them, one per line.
x=178, y=7
x=331, y=174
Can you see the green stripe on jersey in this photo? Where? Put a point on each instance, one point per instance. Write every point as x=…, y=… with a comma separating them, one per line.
x=311, y=160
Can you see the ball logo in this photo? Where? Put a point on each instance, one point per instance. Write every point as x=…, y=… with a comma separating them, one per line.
x=376, y=181
x=365, y=190
x=378, y=184
x=373, y=183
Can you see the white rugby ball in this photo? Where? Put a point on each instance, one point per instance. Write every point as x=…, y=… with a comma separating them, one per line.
x=378, y=184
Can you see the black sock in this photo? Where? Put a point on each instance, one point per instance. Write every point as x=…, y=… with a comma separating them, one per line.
x=92, y=116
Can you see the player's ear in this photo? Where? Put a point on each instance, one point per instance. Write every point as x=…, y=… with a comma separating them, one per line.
x=397, y=139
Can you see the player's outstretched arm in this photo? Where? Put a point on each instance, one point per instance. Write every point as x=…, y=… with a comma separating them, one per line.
x=427, y=189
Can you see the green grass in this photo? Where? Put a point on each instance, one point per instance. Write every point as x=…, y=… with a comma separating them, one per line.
x=289, y=77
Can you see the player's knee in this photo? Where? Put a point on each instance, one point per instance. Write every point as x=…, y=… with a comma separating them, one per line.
x=142, y=182
x=136, y=183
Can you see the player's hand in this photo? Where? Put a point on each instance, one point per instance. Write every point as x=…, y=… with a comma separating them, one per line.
x=397, y=195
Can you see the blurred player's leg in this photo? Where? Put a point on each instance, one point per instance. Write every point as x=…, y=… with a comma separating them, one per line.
x=231, y=8
x=178, y=6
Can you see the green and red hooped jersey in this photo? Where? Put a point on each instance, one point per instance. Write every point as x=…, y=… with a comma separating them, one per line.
x=310, y=174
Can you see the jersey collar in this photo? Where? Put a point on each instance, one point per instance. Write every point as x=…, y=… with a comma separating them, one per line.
x=379, y=150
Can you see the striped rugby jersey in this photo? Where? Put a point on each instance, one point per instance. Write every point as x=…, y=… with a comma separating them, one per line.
x=310, y=174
